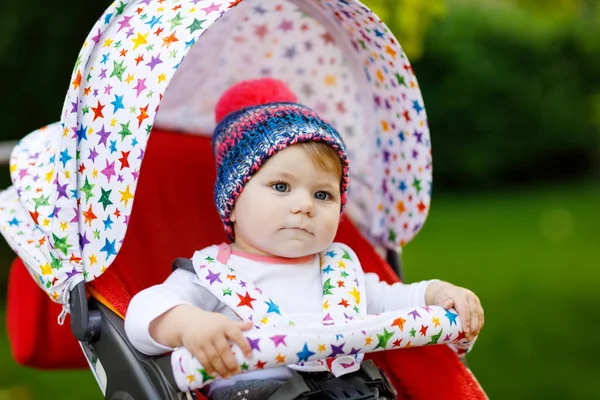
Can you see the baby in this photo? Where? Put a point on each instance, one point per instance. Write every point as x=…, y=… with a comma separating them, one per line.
x=282, y=181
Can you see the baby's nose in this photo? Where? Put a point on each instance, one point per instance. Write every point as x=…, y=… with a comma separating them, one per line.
x=304, y=204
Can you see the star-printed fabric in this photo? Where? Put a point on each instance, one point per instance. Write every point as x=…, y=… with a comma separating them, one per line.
x=336, y=344
x=74, y=182
x=341, y=299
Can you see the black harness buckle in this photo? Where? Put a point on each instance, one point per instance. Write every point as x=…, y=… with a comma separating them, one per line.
x=368, y=383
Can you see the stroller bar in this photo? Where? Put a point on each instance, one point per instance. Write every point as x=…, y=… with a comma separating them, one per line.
x=85, y=323
x=6, y=149
x=393, y=330
x=393, y=259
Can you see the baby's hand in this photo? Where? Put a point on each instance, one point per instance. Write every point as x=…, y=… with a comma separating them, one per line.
x=207, y=338
x=207, y=335
x=463, y=300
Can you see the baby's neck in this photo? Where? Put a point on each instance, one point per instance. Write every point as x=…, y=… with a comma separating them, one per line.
x=268, y=258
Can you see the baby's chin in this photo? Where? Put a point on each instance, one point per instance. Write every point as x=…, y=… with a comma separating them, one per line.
x=297, y=248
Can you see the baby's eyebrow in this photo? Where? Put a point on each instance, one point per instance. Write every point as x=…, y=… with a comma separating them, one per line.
x=287, y=174
x=282, y=174
x=323, y=184
x=328, y=186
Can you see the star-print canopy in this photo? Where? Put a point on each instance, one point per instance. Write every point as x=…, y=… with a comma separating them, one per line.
x=74, y=181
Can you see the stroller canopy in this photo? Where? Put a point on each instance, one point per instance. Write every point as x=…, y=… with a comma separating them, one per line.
x=74, y=182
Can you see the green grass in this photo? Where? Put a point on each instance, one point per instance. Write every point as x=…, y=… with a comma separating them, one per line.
x=533, y=258
x=21, y=383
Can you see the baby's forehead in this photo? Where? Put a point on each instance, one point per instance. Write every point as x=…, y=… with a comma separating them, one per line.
x=290, y=155
x=317, y=152
x=294, y=157
x=296, y=167
x=293, y=167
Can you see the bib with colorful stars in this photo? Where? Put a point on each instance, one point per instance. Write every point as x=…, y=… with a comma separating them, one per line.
x=341, y=298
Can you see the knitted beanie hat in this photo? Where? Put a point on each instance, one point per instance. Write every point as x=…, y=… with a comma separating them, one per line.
x=256, y=119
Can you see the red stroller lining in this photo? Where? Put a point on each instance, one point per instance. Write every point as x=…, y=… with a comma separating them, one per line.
x=178, y=176
x=191, y=222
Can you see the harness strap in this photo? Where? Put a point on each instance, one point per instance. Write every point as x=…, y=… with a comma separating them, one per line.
x=372, y=372
x=291, y=389
x=185, y=264
x=224, y=253
x=366, y=384
x=341, y=298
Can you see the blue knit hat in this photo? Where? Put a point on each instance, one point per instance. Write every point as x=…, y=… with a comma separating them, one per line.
x=261, y=117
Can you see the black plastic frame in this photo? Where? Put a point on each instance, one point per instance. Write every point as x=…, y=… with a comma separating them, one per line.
x=130, y=374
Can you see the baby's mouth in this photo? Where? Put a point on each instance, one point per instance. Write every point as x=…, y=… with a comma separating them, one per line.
x=296, y=228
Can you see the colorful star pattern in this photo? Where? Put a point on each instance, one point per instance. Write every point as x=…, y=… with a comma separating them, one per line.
x=343, y=339
x=75, y=181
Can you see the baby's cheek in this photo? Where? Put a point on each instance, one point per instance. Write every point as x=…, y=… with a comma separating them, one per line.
x=265, y=218
x=331, y=224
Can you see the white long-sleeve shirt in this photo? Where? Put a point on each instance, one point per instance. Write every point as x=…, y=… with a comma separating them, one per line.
x=295, y=288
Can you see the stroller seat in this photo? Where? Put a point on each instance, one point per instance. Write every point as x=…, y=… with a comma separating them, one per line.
x=175, y=194
x=341, y=61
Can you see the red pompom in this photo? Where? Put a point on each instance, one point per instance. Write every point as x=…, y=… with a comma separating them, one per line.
x=252, y=93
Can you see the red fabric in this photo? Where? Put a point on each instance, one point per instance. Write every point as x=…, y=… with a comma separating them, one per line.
x=174, y=215
x=36, y=340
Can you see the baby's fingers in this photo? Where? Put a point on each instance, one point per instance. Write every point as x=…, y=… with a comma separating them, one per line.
x=477, y=318
x=447, y=303
x=214, y=359
x=474, y=319
x=482, y=313
x=462, y=307
x=226, y=355
x=234, y=333
x=204, y=361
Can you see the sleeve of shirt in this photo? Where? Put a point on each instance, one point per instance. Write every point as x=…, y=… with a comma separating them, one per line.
x=179, y=288
x=383, y=297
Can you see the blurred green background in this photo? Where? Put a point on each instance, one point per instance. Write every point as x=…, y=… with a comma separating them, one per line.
x=512, y=90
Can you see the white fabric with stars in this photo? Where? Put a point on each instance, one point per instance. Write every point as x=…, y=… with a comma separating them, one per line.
x=336, y=344
x=341, y=300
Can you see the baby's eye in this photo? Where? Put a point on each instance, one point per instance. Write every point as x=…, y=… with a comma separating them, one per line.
x=281, y=187
x=322, y=195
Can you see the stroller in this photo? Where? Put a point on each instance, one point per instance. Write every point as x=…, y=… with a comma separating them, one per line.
x=75, y=182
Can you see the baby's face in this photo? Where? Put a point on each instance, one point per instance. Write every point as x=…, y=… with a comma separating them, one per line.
x=289, y=208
